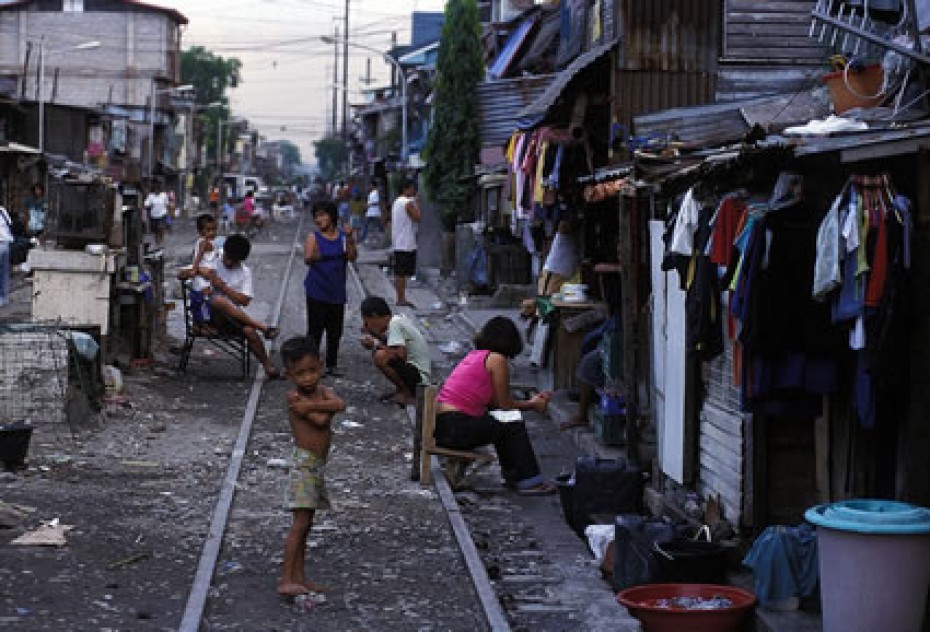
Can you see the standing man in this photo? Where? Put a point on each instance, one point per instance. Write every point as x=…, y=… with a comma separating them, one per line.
x=157, y=205
x=405, y=215
x=372, y=212
x=343, y=197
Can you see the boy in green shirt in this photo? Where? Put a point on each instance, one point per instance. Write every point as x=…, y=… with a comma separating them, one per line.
x=399, y=349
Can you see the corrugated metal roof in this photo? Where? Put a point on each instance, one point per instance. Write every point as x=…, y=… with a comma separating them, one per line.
x=500, y=101
x=721, y=123
x=541, y=105
x=869, y=145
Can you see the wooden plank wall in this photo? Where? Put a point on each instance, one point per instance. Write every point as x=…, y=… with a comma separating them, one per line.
x=772, y=32
x=766, y=49
x=722, y=443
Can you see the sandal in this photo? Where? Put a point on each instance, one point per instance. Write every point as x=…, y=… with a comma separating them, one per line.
x=273, y=374
x=387, y=398
x=272, y=332
x=406, y=304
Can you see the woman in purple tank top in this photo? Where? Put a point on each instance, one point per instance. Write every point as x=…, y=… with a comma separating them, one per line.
x=327, y=253
x=481, y=381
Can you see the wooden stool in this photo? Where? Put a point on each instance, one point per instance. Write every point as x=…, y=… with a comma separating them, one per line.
x=424, y=445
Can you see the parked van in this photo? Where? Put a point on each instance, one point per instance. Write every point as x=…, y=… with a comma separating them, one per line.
x=237, y=185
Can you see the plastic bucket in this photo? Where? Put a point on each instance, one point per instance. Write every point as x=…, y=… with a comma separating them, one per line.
x=646, y=604
x=874, y=565
x=692, y=562
x=863, y=90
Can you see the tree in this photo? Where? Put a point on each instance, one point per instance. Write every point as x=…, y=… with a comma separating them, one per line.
x=211, y=75
x=331, y=154
x=291, y=155
x=453, y=144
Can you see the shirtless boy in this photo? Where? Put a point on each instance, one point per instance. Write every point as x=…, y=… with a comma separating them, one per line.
x=310, y=410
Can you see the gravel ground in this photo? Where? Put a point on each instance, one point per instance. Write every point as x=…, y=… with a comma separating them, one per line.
x=139, y=484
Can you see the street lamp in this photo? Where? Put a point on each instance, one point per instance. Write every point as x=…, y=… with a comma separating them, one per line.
x=155, y=94
x=42, y=54
x=328, y=39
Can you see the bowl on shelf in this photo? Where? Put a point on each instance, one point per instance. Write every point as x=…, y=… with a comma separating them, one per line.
x=655, y=605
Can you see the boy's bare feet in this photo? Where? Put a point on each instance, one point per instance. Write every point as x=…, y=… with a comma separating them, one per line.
x=315, y=587
x=289, y=589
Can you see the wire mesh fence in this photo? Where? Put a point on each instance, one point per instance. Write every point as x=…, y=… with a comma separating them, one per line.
x=35, y=361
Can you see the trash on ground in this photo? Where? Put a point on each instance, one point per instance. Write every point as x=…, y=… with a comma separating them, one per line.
x=49, y=534
x=308, y=600
x=132, y=559
x=278, y=463
x=348, y=423
x=453, y=346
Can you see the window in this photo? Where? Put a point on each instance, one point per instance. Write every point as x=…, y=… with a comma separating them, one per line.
x=73, y=6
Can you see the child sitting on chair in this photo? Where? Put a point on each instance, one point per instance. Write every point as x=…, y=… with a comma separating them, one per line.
x=230, y=292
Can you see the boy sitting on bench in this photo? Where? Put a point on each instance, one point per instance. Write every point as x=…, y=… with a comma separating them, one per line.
x=230, y=291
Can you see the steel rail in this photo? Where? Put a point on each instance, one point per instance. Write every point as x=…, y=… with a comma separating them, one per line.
x=206, y=566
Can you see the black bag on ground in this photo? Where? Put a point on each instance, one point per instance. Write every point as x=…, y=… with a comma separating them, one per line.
x=604, y=486
x=635, y=538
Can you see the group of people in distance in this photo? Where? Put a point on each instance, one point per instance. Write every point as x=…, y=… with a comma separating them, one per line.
x=221, y=287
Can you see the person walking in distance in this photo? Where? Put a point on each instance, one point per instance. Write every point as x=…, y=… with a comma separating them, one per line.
x=310, y=410
x=327, y=253
x=157, y=204
x=405, y=215
x=372, y=213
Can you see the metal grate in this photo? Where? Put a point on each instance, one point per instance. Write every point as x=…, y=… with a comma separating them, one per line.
x=34, y=375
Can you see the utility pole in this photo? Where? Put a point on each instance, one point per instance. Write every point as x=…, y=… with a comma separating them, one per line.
x=368, y=79
x=345, y=80
x=335, y=80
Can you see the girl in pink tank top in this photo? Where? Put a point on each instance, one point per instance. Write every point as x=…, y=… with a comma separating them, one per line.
x=482, y=381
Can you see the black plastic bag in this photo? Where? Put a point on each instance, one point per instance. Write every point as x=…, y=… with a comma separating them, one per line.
x=604, y=486
x=635, y=538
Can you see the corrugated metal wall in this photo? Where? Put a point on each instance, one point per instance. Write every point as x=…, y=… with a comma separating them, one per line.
x=667, y=56
x=499, y=102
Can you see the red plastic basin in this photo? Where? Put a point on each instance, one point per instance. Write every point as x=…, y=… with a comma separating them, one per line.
x=642, y=602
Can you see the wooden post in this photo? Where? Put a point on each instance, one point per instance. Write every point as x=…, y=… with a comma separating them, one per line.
x=628, y=280
x=417, y=436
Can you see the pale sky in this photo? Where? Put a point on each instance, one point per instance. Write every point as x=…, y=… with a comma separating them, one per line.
x=287, y=72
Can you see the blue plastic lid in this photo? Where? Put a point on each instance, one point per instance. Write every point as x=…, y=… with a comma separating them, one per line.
x=871, y=516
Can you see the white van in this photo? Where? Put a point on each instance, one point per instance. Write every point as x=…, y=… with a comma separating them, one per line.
x=237, y=185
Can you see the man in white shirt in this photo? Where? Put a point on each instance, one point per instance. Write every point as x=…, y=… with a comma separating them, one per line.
x=157, y=205
x=405, y=215
x=373, y=212
x=232, y=291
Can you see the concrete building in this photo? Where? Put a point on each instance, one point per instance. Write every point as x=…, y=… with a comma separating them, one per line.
x=114, y=56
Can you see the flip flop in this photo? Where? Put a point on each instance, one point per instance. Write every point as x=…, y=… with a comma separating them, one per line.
x=272, y=332
x=273, y=374
x=387, y=398
x=407, y=304
x=543, y=489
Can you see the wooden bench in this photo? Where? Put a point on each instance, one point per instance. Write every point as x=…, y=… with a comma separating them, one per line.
x=424, y=445
x=234, y=345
